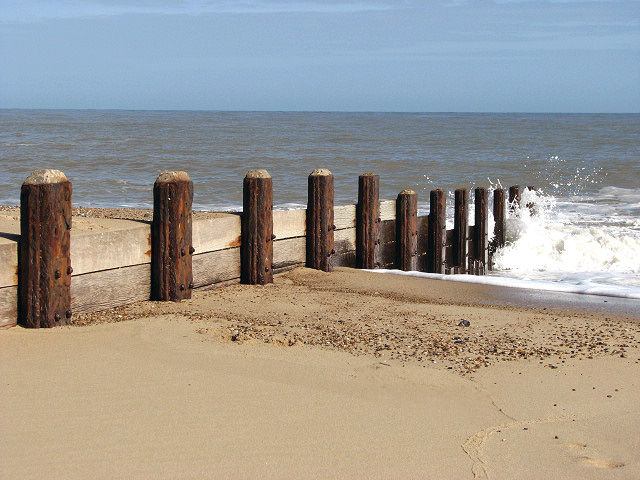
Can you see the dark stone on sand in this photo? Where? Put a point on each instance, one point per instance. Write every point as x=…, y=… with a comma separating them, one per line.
x=464, y=323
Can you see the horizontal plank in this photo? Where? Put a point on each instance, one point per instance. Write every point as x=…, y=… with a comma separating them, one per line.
x=289, y=223
x=344, y=240
x=96, y=291
x=387, y=210
x=8, y=262
x=129, y=244
x=8, y=307
x=290, y=251
x=387, y=254
x=347, y=259
x=214, y=267
x=344, y=216
x=210, y=234
x=387, y=231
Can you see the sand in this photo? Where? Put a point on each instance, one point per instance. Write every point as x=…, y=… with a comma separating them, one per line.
x=343, y=375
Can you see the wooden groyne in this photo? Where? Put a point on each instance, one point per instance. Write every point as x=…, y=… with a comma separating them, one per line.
x=49, y=271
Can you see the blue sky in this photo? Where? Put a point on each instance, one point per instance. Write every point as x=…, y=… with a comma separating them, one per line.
x=337, y=55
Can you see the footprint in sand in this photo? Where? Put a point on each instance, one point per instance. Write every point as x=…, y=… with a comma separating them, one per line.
x=591, y=461
x=599, y=463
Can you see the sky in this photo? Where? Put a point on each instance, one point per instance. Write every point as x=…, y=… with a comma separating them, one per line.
x=322, y=55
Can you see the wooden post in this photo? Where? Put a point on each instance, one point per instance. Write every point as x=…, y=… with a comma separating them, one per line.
x=437, y=232
x=406, y=230
x=44, y=260
x=171, y=245
x=514, y=197
x=480, y=242
x=460, y=226
x=367, y=221
x=499, y=218
x=320, y=227
x=256, y=249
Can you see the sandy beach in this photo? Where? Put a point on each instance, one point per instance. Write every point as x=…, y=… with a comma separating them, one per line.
x=344, y=375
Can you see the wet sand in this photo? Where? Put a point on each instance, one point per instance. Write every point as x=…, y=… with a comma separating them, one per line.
x=344, y=375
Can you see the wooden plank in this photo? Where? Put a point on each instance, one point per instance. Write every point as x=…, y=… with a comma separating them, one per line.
x=8, y=307
x=256, y=249
x=345, y=240
x=129, y=244
x=210, y=234
x=289, y=223
x=44, y=265
x=9, y=261
x=387, y=210
x=171, y=248
x=347, y=259
x=344, y=216
x=290, y=251
x=214, y=267
x=387, y=255
x=116, y=287
x=387, y=231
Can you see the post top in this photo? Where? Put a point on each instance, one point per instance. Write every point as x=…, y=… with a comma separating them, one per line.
x=369, y=174
x=41, y=176
x=261, y=173
x=407, y=192
x=321, y=172
x=171, y=176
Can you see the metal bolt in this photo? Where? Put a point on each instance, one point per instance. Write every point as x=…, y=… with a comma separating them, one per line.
x=181, y=286
x=333, y=252
x=379, y=220
x=266, y=269
x=273, y=237
x=68, y=314
x=57, y=317
x=183, y=252
x=191, y=250
x=57, y=274
x=69, y=270
x=333, y=227
x=191, y=286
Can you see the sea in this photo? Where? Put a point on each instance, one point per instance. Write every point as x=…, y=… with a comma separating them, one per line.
x=583, y=238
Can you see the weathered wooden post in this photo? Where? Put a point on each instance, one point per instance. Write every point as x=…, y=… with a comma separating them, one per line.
x=256, y=249
x=367, y=221
x=320, y=227
x=44, y=260
x=171, y=244
x=480, y=242
x=499, y=218
x=514, y=197
x=437, y=232
x=460, y=227
x=406, y=230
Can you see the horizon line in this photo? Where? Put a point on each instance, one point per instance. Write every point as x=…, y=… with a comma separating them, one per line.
x=320, y=111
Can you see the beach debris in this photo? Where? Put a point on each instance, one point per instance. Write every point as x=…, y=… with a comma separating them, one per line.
x=464, y=323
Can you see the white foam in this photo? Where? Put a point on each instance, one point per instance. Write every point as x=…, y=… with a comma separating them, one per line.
x=587, y=287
